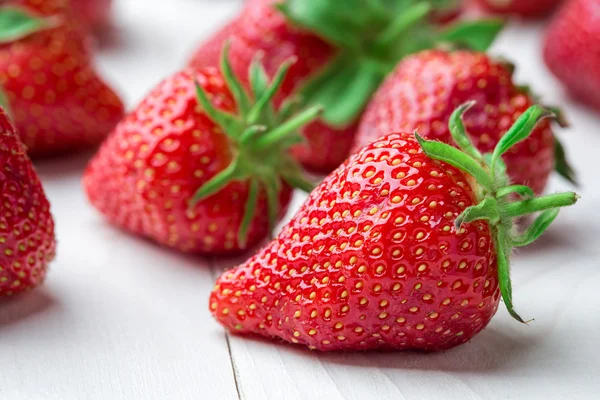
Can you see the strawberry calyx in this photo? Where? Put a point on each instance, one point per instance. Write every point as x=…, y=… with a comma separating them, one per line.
x=260, y=137
x=498, y=202
x=371, y=37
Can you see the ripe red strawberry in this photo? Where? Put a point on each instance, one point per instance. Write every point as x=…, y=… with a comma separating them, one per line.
x=523, y=8
x=27, y=243
x=93, y=13
x=391, y=251
x=57, y=100
x=572, y=49
x=147, y=175
x=425, y=89
x=343, y=55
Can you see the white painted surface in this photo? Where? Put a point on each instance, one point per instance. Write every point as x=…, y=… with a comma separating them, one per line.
x=120, y=318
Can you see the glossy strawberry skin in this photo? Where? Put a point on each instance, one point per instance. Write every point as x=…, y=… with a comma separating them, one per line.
x=371, y=261
x=58, y=101
x=523, y=8
x=261, y=28
x=572, y=49
x=27, y=242
x=145, y=174
x=426, y=88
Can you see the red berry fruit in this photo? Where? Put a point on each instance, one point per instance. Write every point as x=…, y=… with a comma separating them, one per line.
x=27, y=242
x=58, y=102
x=522, y=8
x=425, y=89
x=203, y=170
x=404, y=246
x=572, y=49
x=93, y=13
x=344, y=50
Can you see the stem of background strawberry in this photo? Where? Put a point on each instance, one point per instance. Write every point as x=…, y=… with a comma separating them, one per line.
x=494, y=205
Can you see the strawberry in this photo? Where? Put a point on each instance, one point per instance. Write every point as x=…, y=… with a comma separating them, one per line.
x=343, y=55
x=405, y=246
x=200, y=175
x=424, y=90
x=522, y=8
x=27, y=242
x=93, y=13
x=572, y=49
x=58, y=102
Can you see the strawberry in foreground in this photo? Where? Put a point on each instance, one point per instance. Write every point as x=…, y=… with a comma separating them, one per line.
x=404, y=246
x=522, y=8
x=27, y=243
x=205, y=169
x=47, y=82
x=572, y=49
x=427, y=87
x=344, y=50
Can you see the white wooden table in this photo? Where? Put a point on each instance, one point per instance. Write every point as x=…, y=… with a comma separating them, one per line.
x=120, y=318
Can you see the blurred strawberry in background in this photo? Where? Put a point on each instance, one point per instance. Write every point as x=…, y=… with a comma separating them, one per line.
x=93, y=13
x=522, y=8
x=572, y=49
x=47, y=79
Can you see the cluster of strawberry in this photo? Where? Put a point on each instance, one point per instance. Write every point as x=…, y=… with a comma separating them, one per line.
x=58, y=104
x=432, y=153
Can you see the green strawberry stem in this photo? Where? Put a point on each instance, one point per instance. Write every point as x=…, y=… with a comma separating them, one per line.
x=260, y=138
x=371, y=37
x=496, y=204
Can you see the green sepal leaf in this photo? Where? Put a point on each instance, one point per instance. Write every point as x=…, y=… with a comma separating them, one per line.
x=17, y=23
x=455, y=157
x=272, y=187
x=234, y=84
x=263, y=100
x=561, y=164
x=285, y=129
x=251, y=132
x=344, y=88
x=401, y=24
x=474, y=35
x=537, y=228
x=459, y=133
x=289, y=107
x=542, y=203
x=217, y=183
x=520, y=131
x=502, y=248
x=259, y=81
x=231, y=125
x=485, y=210
x=524, y=191
x=249, y=211
x=332, y=24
